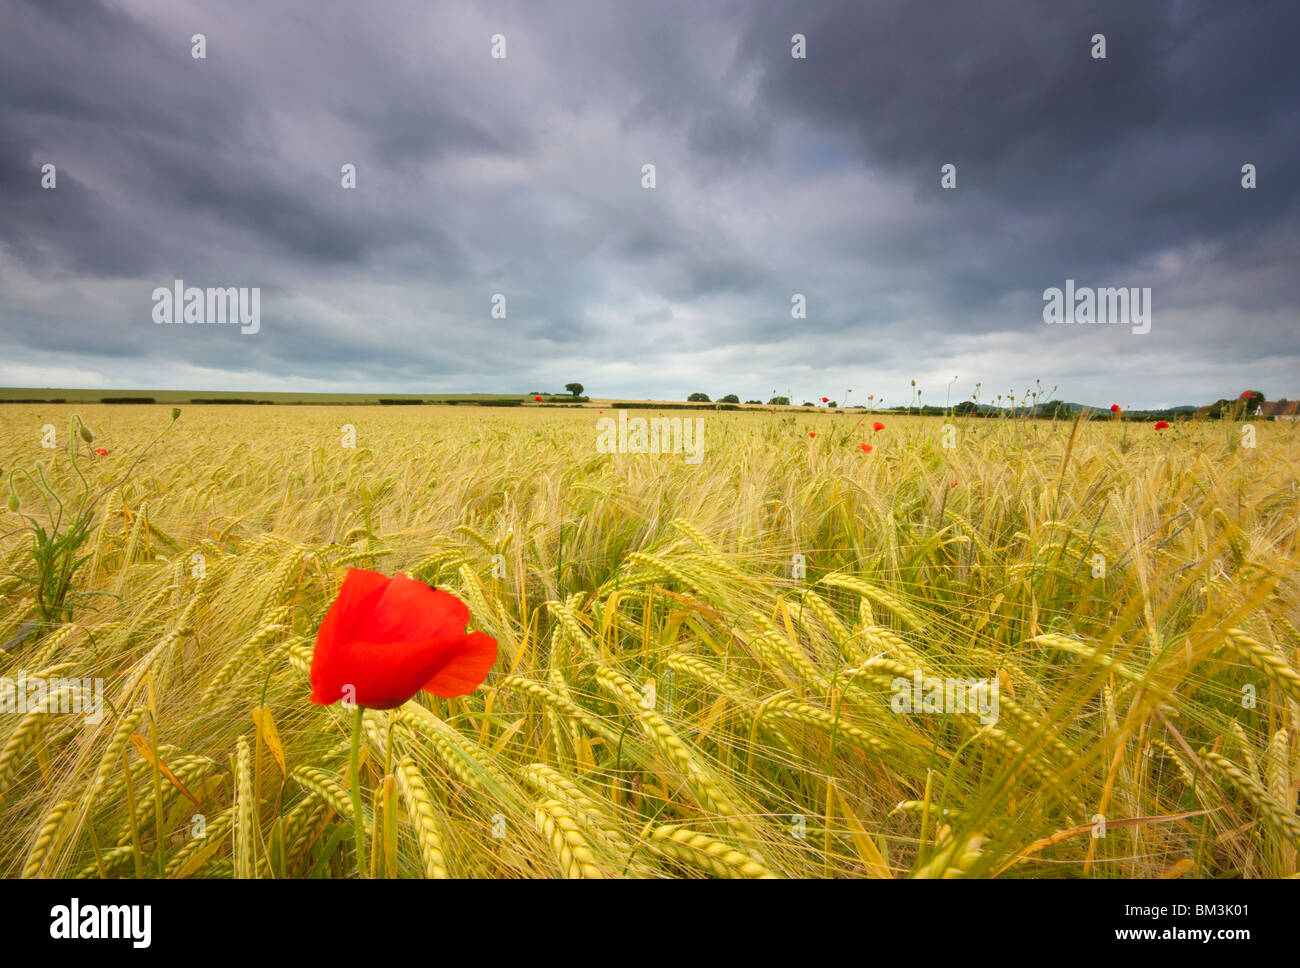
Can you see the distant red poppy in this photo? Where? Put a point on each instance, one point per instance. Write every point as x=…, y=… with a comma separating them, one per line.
x=877, y=426
x=826, y=399
x=384, y=639
x=1114, y=408
x=538, y=399
x=774, y=411
x=1247, y=393
x=101, y=452
x=865, y=448
x=812, y=433
x=1161, y=425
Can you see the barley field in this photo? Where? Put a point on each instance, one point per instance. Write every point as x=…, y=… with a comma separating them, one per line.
x=698, y=663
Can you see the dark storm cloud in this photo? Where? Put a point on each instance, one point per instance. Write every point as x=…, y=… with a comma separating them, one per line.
x=66, y=232
x=775, y=176
x=1124, y=155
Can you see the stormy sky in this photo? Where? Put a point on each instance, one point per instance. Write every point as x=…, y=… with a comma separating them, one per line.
x=774, y=175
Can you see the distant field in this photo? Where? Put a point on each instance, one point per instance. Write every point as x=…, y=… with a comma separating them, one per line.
x=10, y=395
x=177, y=397
x=700, y=664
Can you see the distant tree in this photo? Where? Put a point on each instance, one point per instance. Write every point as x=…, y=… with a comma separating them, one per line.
x=779, y=402
x=965, y=408
x=1223, y=409
x=1253, y=399
x=759, y=402
x=574, y=388
x=807, y=403
x=1053, y=409
x=698, y=398
x=831, y=405
x=729, y=398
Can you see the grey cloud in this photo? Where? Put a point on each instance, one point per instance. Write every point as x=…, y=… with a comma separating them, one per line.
x=775, y=176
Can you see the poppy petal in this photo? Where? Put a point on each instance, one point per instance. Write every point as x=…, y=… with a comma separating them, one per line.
x=380, y=675
x=357, y=586
x=384, y=639
x=474, y=656
x=411, y=611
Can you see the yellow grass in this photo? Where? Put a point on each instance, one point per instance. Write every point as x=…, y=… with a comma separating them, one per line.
x=672, y=699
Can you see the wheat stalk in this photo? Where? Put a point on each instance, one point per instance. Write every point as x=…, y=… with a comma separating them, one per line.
x=1274, y=666
x=1282, y=819
x=699, y=850
x=245, y=813
x=419, y=807
x=46, y=837
x=562, y=832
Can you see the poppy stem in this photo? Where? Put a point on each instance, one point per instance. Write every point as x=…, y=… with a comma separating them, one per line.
x=358, y=821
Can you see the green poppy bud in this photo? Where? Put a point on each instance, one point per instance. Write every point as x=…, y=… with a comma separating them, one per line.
x=12, y=503
x=176, y=412
x=86, y=435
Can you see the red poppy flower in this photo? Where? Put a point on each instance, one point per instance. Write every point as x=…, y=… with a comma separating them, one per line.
x=812, y=433
x=538, y=399
x=826, y=399
x=1246, y=393
x=1161, y=425
x=774, y=411
x=388, y=638
x=101, y=452
x=877, y=426
x=865, y=448
x=1114, y=408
